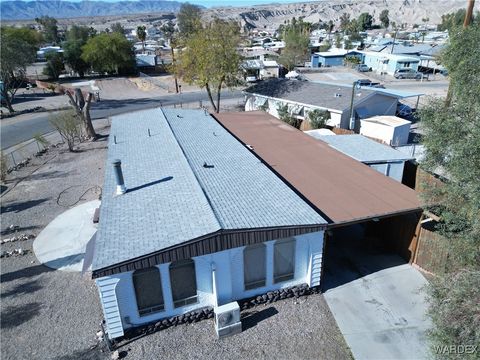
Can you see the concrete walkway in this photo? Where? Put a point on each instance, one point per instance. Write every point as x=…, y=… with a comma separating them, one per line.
x=61, y=245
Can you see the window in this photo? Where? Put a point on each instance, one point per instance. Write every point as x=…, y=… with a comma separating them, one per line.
x=254, y=267
x=148, y=290
x=183, y=282
x=283, y=260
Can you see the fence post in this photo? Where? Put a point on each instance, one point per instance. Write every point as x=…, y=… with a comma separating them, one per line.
x=13, y=158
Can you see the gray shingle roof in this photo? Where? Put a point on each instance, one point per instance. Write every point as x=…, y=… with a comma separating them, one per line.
x=306, y=92
x=173, y=198
x=362, y=148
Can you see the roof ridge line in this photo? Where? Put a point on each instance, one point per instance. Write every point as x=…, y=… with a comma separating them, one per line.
x=193, y=172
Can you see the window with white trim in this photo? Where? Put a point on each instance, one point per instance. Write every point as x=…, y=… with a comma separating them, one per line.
x=283, y=260
x=148, y=291
x=254, y=266
x=183, y=282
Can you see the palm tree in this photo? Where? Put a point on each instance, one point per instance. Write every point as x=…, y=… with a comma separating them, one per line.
x=142, y=34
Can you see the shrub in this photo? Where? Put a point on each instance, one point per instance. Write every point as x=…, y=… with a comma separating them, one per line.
x=68, y=125
x=318, y=118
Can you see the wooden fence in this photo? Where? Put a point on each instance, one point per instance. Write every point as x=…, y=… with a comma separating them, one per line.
x=430, y=254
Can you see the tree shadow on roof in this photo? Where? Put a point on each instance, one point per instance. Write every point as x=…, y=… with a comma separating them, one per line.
x=276, y=87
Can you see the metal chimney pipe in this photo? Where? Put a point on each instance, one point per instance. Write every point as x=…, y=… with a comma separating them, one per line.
x=117, y=170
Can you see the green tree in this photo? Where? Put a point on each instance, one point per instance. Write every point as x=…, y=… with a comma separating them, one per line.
x=30, y=36
x=49, y=28
x=171, y=35
x=452, y=145
x=384, y=18
x=111, y=53
x=210, y=58
x=54, y=66
x=318, y=118
x=118, y=28
x=15, y=54
x=296, y=37
x=344, y=21
x=189, y=20
x=452, y=20
x=142, y=34
x=365, y=21
x=287, y=117
x=77, y=37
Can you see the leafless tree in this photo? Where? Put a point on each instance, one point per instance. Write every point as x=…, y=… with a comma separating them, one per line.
x=82, y=109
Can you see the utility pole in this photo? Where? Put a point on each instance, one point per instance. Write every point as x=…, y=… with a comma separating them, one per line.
x=352, y=118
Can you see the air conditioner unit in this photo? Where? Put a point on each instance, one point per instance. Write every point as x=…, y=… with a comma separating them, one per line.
x=227, y=319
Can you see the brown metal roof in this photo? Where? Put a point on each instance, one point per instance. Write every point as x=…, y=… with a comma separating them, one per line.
x=342, y=189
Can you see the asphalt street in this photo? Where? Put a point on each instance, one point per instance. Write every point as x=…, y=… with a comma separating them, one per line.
x=14, y=132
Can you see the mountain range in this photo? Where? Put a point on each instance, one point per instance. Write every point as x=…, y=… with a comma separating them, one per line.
x=17, y=10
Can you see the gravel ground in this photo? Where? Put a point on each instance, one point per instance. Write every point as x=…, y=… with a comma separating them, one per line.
x=287, y=329
x=47, y=314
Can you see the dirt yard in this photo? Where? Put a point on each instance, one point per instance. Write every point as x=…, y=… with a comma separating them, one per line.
x=48, y=314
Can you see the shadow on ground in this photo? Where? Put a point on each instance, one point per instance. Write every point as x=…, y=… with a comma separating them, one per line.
x=21, y=205
x=13, y=316
x=350, y=256
x=22, y=289
x=251, y=319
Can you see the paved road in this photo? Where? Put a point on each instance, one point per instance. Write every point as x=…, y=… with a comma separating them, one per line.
x=15, y=131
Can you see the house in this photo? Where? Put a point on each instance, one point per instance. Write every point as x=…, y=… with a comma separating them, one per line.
x=331, y=58
x=199, y=221
x=392, y=130
x=303, y=96
x=261, y=69
x=386, y=63
x=44, y=51
x=382, y=158
x=201, y=212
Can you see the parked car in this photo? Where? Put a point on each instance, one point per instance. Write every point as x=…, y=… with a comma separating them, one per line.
x=407, y=73
x=251, y=79
x=363, y=68
x=369, y=83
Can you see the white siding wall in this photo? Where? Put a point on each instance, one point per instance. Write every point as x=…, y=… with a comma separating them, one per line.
x=390, y=169
x=390, y=135
x=229, y=279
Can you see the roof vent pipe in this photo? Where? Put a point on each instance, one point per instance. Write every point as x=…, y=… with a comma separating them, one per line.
x=117, y=170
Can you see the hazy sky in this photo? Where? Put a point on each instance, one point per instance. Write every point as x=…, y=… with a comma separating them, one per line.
x=212, y=3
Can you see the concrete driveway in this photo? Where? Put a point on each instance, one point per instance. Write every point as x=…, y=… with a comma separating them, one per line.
x=377, y=301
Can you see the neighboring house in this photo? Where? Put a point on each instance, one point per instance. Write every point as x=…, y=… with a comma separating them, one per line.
x=44, y=51
x=202, y=222
x=386, y=63
x=261, y=69
x=304, y=96
x=144, y=61
x=332, y=58
x=392, y=130
x=382, y=158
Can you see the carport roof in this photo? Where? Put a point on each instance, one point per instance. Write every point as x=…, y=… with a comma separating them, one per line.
x=342, y=189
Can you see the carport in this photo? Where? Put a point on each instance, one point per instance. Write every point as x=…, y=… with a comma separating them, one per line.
x=367, y=281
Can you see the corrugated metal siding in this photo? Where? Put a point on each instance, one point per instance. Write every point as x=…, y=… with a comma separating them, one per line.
x=219, y=241
x=111, y=311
